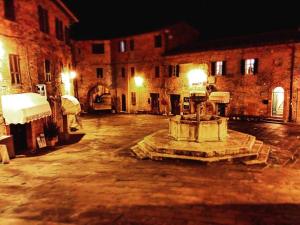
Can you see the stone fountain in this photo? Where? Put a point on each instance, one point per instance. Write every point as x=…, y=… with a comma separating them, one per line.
x=202, y=136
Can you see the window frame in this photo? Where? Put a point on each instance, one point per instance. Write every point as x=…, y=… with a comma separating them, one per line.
x=15, y=69
x=98, y=48
x=9, y=10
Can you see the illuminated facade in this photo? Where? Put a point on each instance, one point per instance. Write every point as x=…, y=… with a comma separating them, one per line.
x=34, y=51
x=252, y=72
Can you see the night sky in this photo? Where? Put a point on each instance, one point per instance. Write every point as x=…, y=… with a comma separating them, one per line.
x=214, y=19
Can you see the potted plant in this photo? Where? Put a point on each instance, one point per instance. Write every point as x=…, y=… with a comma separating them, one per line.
x=51, y=131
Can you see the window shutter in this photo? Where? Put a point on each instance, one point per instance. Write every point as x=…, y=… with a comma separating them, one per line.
x=40, y=12
x=243, y=66
x=46, y=21
x=170, y=68
x=177, y=70
x=256, y=66
x=213, y=68
x=224, y=68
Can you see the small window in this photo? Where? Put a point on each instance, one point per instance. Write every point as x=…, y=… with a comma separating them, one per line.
x=132, y=70
x=249, y=66
x=99, y=72
x=9, y=10
x=157, y=71
x=157, y=41
x=47, y=70
x=59, y=29
x=98, y=48
x=131, y=45
x=133, y=98
x=123, y=72
x=218, y=68
x=122, y=46
x=43, y=19
x=15, y=72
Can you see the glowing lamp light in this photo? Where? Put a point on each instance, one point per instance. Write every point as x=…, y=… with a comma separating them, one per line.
x=138, y=81
x=72, y=74
x=197, y=77
x=1, y=50
x=65, y=78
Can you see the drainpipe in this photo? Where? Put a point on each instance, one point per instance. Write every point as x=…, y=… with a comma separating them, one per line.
x=290, y=118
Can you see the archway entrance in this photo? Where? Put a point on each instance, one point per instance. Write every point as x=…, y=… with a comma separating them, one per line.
x=277, y=102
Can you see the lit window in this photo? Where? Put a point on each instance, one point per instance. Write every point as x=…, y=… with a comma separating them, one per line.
x=218, y=68
x=47, y=70
x=122, y=46
x=249, y=66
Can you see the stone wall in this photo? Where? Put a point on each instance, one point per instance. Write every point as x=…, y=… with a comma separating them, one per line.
x=86, y=66
x=250, y=94
x=23, y=37
x=144, y=57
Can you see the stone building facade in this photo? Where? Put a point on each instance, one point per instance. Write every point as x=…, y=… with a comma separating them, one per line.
x=263, y=81
x=126, y=58
x=262, y=77
x=34, y=45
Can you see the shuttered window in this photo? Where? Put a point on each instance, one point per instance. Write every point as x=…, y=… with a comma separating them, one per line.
x=15, y=72
x=59, y=29
x=43, y=19
x=9, y=10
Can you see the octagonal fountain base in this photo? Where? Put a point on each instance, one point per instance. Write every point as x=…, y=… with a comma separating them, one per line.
x=237, y=145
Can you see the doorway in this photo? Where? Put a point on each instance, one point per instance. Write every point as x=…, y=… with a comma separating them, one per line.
x=175, y=104
x=278, y=102
x=154, y=103
x=19, y=136
x=221, y=109
x=123, y=103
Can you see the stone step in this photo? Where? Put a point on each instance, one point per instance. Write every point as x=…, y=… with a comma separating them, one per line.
x=262, y=157
x=160, y=156
x=272, y=120
x=139, y=152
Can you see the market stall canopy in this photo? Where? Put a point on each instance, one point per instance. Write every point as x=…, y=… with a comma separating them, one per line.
x=70, y=105
x=24, y=108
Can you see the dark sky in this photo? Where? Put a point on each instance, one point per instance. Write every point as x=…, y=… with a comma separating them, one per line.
x=214, y=19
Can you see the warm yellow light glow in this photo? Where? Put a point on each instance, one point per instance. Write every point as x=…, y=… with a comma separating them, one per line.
x=1, y=50
x=65, y=78
x=197, y=77
x=138, y=81
x=72, y=74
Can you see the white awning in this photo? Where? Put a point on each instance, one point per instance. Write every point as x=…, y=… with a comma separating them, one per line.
x=70, y=105
x=219, y=97
x=23, y=108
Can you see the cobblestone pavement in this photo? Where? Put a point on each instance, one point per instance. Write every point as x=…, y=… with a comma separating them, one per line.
x=99, y=181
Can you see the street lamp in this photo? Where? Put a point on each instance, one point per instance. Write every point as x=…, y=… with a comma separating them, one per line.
x=197, y=81
x=139, y=81
x=67, y=78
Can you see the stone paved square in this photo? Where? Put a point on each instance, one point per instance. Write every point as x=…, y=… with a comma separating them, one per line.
x=99, y=181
